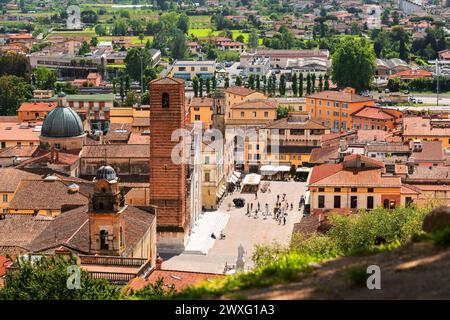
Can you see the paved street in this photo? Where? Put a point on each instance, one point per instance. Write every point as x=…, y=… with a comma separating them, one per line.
x=246, y=230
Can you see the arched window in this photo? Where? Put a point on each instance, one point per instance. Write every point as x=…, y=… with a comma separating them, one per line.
x=165, y=100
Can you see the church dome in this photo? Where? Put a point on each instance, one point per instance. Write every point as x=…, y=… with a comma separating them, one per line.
x=106, y=172
x=62, y=122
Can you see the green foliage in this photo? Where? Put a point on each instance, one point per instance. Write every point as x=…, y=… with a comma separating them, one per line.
x=85, y=48
x=133, y=62
x=283, y=111
x=155, y=291
x=46, y=279
x=44, y=78
x=353, y=64
x=440, y=237
x=13, y=91
x=356, y=276
x=14, y=64
x=358, y=232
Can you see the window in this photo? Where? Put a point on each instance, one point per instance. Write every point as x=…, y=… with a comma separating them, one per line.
x=254, y=114
x=266, y=114
x=182, y=69
x=3, y=145
x=204, y=69
x=336, y=104
x=206, y=159
x=369, y=189
x=321, y=202
x=312, y=101
x=321, y=189
x=354, y=189
x=242, y=114
x=206, y=176
x=197, y=117
x=370, y=202
x=408, y=201
x=353, y=202
x=297, y=132
x=5, y=198
x=57, y=146
x=337, y=189
x=104, y=240
x=320, y=102
x=345, y=105
x=165, y=100
x=337, y=202
x=192, y=68
x=328, y=103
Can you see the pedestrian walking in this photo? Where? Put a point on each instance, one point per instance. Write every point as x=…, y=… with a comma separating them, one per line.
x=284, y=220
x=251, y=207
x=278, y=198
x=292, y=206
x=259, y=207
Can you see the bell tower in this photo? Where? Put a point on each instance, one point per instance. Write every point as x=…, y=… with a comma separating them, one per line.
x=106, y=222
x=167, y=178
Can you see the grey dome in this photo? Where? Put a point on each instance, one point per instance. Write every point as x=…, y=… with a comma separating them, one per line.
x=62, y=122
x=106, y=172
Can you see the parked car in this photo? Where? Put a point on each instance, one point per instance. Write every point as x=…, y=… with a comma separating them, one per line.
x=386, y=90
x=420, y=101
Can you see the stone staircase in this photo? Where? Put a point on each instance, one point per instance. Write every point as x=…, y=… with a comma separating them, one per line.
x=200, y=241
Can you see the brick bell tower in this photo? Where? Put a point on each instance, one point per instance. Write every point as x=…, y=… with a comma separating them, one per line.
x=167, y=179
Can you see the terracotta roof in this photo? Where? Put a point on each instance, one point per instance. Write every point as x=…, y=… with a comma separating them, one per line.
x=167, y=80
x=45, y=195
x=413, y=73
x=291, y=122
x=116, y=151
x=201, y=102
x=179, y=279
x=324, y=154
x=339, y=96
x=37, y=106
x=11, y=177
x=372, y=113
x=433, y=174
x=4, y=263
x=433, y=187
x=418, y=126
x=240, y=91
x=64, y=158
x=18, y=230
x=18, y=151
x=13, y=119
x=256, y=104
x=11, y=131
x=363, y=135
x=118, y=132
x=141, y=122
x=431, y=151
x=139, y=138
x=409, y=189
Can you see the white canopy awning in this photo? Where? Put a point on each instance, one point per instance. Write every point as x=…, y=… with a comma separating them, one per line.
x=232, y=179
x=268, y=168
x=252, y=179
x=303, y=169
x=283, y=169
x=221, y=191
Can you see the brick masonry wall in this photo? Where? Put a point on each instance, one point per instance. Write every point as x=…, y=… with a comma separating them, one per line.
x=167, y=180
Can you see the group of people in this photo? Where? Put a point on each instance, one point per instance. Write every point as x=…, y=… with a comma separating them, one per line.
x=280, y=209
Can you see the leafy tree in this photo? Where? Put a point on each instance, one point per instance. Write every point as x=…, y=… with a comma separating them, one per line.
x=251, y=81
x=213, y=83
x=240, y=38
x=327, y=82
x=183, y=23
x=300, y=84
x=238, y=81
x=208, y=86
x=133, y=62
x=282, y=85
x=294, y=84
x=120, y=28
x=200, y=86
x=313, y=83
x=227, y=82
x=178, y=46
x=89, y=16
x=85, y=48
x=320, y=83
x=12, y=63
x=13, y=91
x=253, y=39
x=47, y=278
x=195, y=86
x=94, y=42
x=353, y=64
x=100, y=30
x=308, y=84
x=44, y=78
x=283, y=111
x=258, y=82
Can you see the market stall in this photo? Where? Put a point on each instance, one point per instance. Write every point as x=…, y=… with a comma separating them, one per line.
x=251, y=183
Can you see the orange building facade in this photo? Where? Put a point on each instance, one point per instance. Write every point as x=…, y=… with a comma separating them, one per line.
x=333, y=109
